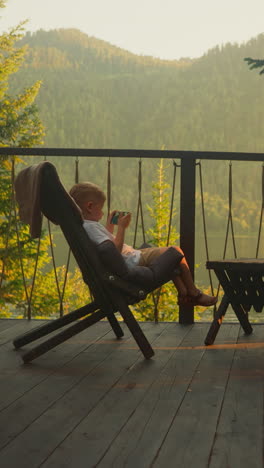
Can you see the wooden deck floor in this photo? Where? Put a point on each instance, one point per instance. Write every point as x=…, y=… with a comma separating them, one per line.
x=94, y=401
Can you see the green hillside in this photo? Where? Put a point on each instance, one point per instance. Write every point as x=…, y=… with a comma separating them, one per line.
x=99, y=96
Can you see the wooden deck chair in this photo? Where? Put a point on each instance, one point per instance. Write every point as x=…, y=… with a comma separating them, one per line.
x=112, y=285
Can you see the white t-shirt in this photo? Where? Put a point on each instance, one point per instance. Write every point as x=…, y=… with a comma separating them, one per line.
x=98, y=234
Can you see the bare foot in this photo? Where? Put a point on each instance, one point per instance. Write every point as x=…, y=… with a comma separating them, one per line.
x=201, y=299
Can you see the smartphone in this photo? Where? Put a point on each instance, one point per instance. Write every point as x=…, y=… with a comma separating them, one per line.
x=114, y=219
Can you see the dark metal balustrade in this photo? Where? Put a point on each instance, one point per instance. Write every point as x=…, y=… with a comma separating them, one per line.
x=188, y=163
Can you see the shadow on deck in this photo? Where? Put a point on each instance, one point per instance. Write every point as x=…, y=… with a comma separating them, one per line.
x=94, y=401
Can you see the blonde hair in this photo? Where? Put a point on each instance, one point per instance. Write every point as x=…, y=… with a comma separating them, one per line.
x=85, y=192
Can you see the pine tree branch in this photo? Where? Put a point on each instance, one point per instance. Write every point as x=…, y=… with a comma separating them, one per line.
x=255, y=63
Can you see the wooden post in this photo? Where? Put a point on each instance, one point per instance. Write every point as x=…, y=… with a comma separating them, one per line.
x=187, y=226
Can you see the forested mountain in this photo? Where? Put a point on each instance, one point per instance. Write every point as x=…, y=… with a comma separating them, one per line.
x=99, y=96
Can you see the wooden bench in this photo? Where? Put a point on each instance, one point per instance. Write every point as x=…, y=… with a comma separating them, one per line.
x=243, y=283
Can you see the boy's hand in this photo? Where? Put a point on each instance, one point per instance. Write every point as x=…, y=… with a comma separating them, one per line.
x=123, y=223
x=124, y=220
x=109, y=226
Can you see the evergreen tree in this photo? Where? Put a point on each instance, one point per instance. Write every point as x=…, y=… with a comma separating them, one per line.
x=255, y=63
x=21, y=287
x=19, y=121
x=162, y=305
x=19, y=126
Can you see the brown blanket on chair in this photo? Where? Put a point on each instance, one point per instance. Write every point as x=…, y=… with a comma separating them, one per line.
x=28, y=196
x=27, y=188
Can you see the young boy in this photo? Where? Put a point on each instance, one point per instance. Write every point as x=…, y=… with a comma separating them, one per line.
x=90, y=198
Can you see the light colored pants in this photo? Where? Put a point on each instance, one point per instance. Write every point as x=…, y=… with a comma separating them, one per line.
x=150, y=254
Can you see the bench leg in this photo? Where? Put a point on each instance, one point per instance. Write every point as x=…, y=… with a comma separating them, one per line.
x=216, y=323
x=242, y=316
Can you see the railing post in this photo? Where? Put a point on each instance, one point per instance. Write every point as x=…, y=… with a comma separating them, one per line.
x=187, y=226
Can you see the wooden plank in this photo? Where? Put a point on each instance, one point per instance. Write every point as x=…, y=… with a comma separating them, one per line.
x=138, y=442
x=7, y=323
x=151, y=425
x=239, y=435
x=17, y=379
x=96, y=433
x=10, y=361
x=144, y=431
x=8, y=334
x=42, y=436
x=38, y=399
x=189, y=439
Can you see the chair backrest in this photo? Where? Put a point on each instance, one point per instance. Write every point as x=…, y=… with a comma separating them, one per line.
x=57, y=205
x=99, y=265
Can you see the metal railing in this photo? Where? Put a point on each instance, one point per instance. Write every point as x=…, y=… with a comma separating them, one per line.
x=188, y=162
